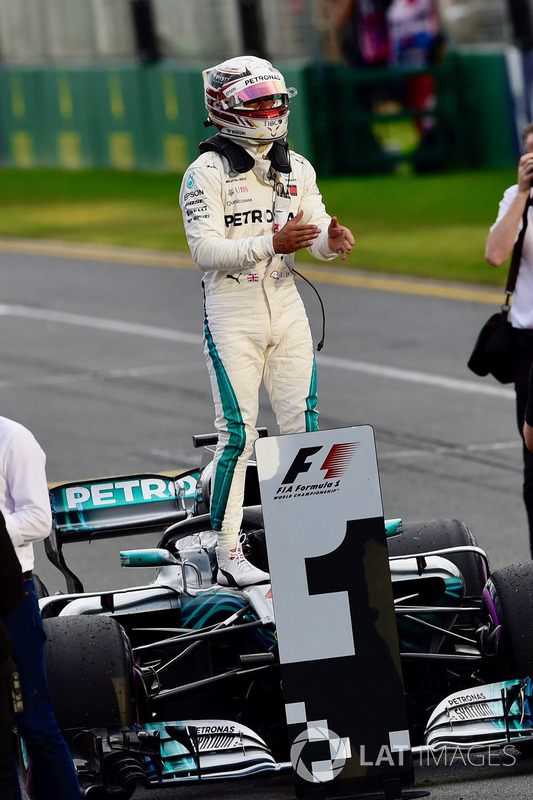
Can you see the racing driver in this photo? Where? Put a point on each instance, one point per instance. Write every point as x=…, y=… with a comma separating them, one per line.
x=249, y=203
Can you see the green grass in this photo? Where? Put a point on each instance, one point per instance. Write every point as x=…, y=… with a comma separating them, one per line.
x=431, y=226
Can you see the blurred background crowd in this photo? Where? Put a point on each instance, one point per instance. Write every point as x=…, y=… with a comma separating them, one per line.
x=396, y=84
x=47, y=31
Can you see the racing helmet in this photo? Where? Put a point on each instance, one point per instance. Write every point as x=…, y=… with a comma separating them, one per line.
x=233, y=91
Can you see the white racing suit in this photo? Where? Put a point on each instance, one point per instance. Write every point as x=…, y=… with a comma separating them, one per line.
x=255, y=325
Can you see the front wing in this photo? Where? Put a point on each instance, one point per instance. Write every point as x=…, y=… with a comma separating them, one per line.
x=493, y=714
x=184, y=751
x=210, y=749
x=187, y=751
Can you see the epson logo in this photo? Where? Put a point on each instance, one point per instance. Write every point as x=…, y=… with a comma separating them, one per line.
x=195, y=193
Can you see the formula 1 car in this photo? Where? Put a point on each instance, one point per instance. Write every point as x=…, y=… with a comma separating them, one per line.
x=178, y=680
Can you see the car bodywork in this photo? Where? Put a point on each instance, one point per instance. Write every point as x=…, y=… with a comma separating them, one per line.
x=197, y=691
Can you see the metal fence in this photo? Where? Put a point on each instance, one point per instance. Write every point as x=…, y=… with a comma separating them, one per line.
x=208, y=29
x=476, y=21
x=72, y=31
x=203, y=31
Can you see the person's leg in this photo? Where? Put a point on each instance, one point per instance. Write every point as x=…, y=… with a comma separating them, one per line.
x=235, y=365
x=528, y=493
x=290, y=378
x=522, y=364
x=53, y=773
x=8, y=778
x=235, y=395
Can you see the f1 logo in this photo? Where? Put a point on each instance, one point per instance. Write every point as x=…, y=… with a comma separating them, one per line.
x=300, y=463
x=335, y=463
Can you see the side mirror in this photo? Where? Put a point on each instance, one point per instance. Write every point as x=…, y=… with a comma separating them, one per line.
x=393, y=527
x=147, y=557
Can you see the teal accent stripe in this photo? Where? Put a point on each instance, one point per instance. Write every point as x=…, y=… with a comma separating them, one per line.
x=311, y=414
x=237, y=435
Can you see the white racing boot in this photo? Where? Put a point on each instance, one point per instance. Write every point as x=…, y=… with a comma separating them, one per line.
x=235, y=570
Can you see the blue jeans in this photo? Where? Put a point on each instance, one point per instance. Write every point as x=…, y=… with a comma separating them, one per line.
x=9, y=785
x=53, y=776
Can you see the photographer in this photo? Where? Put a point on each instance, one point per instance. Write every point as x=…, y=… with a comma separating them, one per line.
x=500, y=243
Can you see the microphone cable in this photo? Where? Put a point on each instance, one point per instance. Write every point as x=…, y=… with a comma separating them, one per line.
x=320, y=345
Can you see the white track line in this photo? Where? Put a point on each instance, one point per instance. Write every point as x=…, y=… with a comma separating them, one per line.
x=327, y=362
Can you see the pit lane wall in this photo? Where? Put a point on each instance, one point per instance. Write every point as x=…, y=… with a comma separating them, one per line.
x=133, y=116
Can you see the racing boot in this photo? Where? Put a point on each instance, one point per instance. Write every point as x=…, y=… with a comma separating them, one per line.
x=235, y=570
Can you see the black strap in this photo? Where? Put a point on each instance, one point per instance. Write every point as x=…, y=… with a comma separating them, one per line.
x=279, y=156
x=240, y=161
x=517, y=255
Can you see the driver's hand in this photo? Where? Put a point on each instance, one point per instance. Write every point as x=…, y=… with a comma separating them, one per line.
x=293, y=236
x=340, y=238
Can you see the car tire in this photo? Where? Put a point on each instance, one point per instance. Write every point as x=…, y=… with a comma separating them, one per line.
x=89, y=667
x=90, y=671
x=436, y=534
x=508, y=601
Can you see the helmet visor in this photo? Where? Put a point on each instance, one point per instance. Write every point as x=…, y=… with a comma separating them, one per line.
x=271, y=101
x=241, y=93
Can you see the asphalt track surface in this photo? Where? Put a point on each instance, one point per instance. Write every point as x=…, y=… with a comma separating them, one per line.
x=101, y=357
